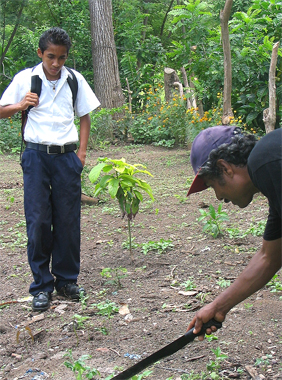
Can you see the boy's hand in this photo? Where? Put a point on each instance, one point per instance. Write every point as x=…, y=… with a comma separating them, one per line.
x=30, y=99
x=81, y=154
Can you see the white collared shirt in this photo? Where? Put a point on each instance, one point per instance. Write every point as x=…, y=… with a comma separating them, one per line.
x=52, y=121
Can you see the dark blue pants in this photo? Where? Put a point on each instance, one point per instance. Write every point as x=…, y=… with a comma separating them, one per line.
x=52, y=196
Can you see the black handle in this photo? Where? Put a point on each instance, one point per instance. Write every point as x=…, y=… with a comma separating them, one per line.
x=210, y=323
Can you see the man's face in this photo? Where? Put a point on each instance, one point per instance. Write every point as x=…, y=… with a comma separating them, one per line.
x=235, y=188
x=53, y=59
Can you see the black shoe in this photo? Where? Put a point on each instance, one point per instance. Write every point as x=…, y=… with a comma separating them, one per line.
x=41, y=301
x=72, y=291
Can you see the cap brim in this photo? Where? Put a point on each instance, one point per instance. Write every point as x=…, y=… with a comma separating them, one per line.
x=197, y=185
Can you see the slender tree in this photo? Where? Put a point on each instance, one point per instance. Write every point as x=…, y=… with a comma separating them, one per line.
x=224, y=17
x=12, y=35
x=105, y=64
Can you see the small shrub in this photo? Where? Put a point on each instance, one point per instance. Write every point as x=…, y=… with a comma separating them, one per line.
x=213, y=220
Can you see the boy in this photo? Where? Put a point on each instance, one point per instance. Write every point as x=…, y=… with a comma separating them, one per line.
x=51, y=168
x=237, y=167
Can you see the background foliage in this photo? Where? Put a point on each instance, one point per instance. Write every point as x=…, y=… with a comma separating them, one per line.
x=149, y=36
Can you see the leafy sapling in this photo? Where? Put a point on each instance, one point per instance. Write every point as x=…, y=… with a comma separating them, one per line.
x=114, y=275
x=213, y=220
x=121, y=182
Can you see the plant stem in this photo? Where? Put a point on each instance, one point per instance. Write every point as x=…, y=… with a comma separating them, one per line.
x=129, y=238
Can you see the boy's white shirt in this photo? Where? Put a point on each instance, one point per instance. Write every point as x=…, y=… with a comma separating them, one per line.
x=52, y=121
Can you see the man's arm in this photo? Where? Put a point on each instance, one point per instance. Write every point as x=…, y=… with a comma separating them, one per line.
x=30, y=99
x=85, y=123
x=262, y=267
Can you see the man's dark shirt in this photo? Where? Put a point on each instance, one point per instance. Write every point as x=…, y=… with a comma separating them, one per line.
x=265, y=166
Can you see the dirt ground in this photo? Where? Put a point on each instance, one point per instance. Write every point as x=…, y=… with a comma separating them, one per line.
x=153, y=305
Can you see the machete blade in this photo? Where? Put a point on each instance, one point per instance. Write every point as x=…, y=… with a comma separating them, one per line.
x=170, y=349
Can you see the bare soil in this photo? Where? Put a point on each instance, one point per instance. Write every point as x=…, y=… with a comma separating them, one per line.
x=33, y=345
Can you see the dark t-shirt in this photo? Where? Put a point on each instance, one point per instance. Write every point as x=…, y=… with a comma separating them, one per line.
x=265, y=166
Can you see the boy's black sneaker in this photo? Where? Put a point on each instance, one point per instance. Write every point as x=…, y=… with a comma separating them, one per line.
x=72, y=291
x=41, y=301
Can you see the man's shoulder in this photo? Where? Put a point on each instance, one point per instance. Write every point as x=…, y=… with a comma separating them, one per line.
x=268, y=148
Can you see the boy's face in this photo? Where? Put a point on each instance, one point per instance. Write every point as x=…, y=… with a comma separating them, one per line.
x=53, y=59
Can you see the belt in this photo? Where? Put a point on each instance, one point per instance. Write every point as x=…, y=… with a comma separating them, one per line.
x=52, y=149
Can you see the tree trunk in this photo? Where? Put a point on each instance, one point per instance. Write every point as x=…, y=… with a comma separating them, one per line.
x=269, y=114
x=165, y=18
x=4, y=51
x=105, y=64
x=187, y=88
x=224, y=17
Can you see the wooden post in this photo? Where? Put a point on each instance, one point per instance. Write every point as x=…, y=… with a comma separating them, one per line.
x=269, y=114
x=171, y=81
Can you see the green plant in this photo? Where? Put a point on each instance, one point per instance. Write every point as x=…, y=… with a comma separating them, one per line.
x=103, y=127
x=142, y=375
x=129, y=244
x=264, y=361
x=79, y=319
x=213, y=220
x=10, y=132
x=275, y=284
x=189, y=284
x=202, y=296
x=160, y=246
x=214, y=366
x=79, y=367
x=123, y=185
x=212, y=337
x=114, y=274
x=248, y=305
x=106, y=308
x=83, y=298
x=256, y=229
x=223, y=283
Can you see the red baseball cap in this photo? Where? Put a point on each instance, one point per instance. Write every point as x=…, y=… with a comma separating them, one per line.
x=206, y=141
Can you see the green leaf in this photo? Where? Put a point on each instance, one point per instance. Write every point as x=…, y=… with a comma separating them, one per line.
x=212, y=211
x=138, y=195
x=104, y=180
x=95, y=172
x=107, y=168
x=113, y=187
x=98, y=190
x=135, y=206
x=128, y=208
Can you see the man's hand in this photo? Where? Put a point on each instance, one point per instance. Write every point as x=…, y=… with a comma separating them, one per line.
x=203, y=316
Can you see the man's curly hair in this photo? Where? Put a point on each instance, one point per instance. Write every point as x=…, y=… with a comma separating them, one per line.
x=236, y=153
x=56, y=36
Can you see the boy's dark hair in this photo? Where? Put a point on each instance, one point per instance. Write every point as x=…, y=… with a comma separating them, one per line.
x=56, y=36
x=236, y=153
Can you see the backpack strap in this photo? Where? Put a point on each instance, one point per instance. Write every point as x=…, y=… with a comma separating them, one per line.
x=73, y=85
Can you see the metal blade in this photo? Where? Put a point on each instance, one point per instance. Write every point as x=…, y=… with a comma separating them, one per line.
x=170, y=349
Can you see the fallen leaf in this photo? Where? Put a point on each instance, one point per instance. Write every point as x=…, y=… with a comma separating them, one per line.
x=188, y=292
x=123, y=310
x=102, y=349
